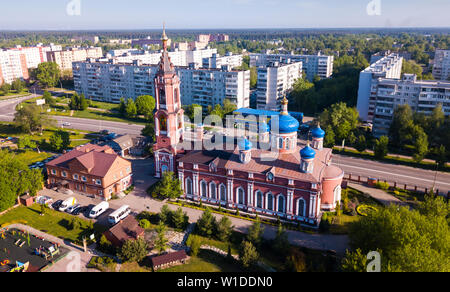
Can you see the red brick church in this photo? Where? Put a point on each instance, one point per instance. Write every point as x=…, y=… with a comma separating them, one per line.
x=297, y=185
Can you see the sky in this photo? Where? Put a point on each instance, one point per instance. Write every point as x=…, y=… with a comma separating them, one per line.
x=216, y=14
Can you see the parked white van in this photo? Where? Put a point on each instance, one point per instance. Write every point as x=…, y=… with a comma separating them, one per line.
x=119, y=215
x=98, y=210
x=67, y=203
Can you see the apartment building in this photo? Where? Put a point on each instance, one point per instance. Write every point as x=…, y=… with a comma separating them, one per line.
x=441, y=67
x=208, y=87
x=64, y=59
x=388, y=67
x=149, y=42
x=276, y=80
x=178, y=58
x=313, y=65
x=213, y=38
x=109, y=81
x=92, y=170
x=13, y=65
x=217, y=61
x=422, y=97
x=92, y=39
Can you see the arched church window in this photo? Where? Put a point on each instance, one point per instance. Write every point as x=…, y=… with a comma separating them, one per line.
x=204, y=189
x=301, y=208
x=281, y=204
x=163, y=124
x=270, y=202
x=259, y=200
x=212, y=190
x=162, y=96
x=188, y=186
x=241, y=196
x=223, y=193
x=177, y=95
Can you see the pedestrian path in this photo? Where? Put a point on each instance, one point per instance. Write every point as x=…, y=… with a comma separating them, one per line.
x=379, y=195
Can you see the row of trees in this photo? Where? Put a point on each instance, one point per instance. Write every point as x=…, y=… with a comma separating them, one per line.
x=16, y=179
x=144, y=105
x=408, y=240
x=17, y=86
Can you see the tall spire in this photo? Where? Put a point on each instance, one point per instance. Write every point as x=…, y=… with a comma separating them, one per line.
x=284, y=106
x=164, y=37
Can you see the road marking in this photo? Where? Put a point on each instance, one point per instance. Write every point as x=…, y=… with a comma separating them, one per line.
x=390, y=173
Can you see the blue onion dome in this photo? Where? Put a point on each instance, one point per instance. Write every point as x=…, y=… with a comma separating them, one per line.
x=264, y=127
x=318, y=132
x=245, y=145
x=288, y=124
x=307, y=153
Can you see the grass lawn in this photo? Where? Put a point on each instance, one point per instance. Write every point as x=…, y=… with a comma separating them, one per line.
x=206, y=261
x=30, y=156
x=407, y=196
x=53, y=222
x=341, y=224
x=104, y=264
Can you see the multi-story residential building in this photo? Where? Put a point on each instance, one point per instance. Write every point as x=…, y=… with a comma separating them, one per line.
x=208, y=87
x=217, y=61
x=91, y=169
x=64, y=59
x=206, y=38
x=148, y=41
x=110, y=81
x=441, y=67
x=275, y=81
x=13, y=65
x=178, y=58
x=389, y=67
x=313, y=65
x=92, y=39
x=422, y=96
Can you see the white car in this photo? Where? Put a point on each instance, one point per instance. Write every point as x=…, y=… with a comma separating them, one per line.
x=72, y=208
x=66, y=124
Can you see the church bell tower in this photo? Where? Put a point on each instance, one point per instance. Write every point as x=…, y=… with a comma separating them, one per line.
x=169, y=116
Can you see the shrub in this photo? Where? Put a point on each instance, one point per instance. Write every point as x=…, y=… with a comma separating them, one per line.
x=382, y=185
x=194, y=243
x=144, y=223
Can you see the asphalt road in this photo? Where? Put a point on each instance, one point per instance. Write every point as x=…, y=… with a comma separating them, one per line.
x=366, y=168
x=7, y=110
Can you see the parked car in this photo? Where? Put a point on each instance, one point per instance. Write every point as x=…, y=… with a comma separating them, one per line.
x=66, y=124
x=79, y=210
x=44, y=200
x=98, y=210
x=72, y=208
x=57, y=204
x=67, y=203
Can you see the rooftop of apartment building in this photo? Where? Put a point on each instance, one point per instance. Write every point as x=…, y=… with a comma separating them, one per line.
x=412, y=79
x=383, y=64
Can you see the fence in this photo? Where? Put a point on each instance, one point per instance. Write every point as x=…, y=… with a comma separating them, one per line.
x=416, y=188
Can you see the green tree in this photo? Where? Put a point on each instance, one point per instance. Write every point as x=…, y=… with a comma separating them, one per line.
x=420, y=144
x=381, y=147
x=18, y=85
x=361, y=143
x=83, y=103
x=248, y=254
x=133, y=250
x=411, y=67
x=442, y=156
x=342, y=119
x=30, y=118
x=193, y=110
x=49, y=100
x=224, y=229
x=281, y=243
x=48, y=74
x=144, y=223
x=194, y=242
x=400, y=131
x=169, y=187
x=149, y=131
x=5, y=88
x=122, y=106
x=26, y=142
x=145, y=105
x=329, y=140
x=255, y=233
x=206, y=224
x=409, y=240
x=180, y=219
x=130, y=109
x=161, y=242
x=354, y=262
x=165, y=215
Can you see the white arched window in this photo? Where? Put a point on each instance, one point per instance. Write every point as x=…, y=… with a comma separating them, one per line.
x=288, y=143
x=281, y=202
x=223, y=193
x=270, y=202
x=259, y=199
x=188, y=186
x=280, y=143
x=301, y=207
x=241, y=196
x=337, y=194
x=212, y=191
x=203, y=189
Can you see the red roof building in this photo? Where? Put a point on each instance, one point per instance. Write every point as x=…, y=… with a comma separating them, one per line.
x=91, y=169
x=127, y=229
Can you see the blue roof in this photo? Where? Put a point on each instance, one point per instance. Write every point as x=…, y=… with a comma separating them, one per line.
x=307, y=153
x=318, y=133
x=255, y=112
x=245, y=144
x=288, y=124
